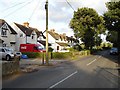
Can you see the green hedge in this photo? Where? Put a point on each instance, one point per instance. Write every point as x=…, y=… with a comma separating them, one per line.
x=61, y=55
x=58, y=55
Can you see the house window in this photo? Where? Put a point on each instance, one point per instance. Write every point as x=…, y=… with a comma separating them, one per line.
x=21, y=35
x=57, y=47
x=32, y=36
x=4, y=32
x=4, y=45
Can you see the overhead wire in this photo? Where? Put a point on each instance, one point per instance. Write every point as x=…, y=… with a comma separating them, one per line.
x=18, y=9
x=33, y=11
x=70, y=5
x=12, y=6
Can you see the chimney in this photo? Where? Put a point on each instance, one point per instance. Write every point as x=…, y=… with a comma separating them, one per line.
x=26, y=24
x=53, y=30
x=64, y=34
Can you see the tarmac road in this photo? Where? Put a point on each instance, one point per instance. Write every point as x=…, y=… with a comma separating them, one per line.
x=94, y=71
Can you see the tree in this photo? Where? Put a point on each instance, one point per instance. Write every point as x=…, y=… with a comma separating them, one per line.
x=87, y=24
x=112, y=37
x=98, y=41
x=112, y=20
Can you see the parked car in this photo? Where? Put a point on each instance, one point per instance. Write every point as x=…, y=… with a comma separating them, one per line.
x=114, y=51
x=6, y=53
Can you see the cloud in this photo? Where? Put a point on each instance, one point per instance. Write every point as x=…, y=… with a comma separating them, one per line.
x=60, y=13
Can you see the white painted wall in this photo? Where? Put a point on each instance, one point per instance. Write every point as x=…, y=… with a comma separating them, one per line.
x=54, y=45
x=34, y=40
x=22, y=39
x=9, y=37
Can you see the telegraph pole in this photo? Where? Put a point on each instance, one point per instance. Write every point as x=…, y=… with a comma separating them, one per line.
x=46, y=8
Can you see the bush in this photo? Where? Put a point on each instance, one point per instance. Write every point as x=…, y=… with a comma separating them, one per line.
x=61, y=55
x=58, y=55
x=50, y=49
x=77, y=47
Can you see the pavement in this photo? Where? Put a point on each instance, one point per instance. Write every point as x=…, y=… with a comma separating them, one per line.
x=31, y=65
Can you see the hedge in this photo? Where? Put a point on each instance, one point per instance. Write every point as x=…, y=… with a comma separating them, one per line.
x=58, y=55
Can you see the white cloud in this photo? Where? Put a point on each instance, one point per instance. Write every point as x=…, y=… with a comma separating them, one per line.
x=60, y=13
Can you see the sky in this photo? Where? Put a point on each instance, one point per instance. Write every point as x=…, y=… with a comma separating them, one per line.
x=33, y=11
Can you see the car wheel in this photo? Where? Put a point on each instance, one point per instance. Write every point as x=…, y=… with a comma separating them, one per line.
x=8, y=58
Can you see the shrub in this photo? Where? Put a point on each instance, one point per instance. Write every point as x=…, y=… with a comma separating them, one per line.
x=58, y=55
x=77, y=47
x=61, y=55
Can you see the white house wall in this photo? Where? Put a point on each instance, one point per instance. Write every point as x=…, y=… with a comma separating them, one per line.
x=19, y=40
x=9, y=38
x=51, y=40
x=23, y=39
x=34, y=40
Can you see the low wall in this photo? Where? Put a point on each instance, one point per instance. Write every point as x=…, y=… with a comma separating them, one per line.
x=10, y=67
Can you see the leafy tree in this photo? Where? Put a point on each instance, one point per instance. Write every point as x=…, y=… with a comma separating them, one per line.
x=112, y=37
x=112, y=20
x=87, y=24
x=98, y=41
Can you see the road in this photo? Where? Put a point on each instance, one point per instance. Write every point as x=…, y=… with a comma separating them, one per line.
x=94, y=71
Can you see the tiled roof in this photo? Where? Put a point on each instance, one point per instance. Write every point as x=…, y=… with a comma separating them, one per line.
x=62, y=44
x=11, y=29
x=24, y=29
x=39, y=33
x=63, y=37
x=43, y=43
x=54, y=35
x=28, y=30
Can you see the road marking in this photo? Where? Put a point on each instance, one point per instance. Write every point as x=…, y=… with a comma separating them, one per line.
x=91, y=62
x=62, y=80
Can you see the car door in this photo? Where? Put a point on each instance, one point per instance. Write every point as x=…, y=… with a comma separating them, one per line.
x=3, y=53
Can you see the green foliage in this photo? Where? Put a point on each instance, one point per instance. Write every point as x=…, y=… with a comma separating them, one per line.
x=106, y=45
x=61, y=55
x=98, y=41
x=112, y=20
x=112, y=37
x=112, y=16
x=50, y=49
x=72, y=50
x=77, y=47
x=87, y=24
x=70, y=55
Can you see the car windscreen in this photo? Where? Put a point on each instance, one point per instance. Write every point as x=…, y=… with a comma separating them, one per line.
x=40, y=48
x=9, y=50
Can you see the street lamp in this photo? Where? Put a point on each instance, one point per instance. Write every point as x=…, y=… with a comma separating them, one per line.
x=46, y=8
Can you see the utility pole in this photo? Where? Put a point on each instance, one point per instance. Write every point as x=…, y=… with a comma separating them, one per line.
x=46, y=8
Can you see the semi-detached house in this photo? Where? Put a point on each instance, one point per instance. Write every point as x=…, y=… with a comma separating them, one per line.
x=26, y=34
x=58, y=41
x=7, y=35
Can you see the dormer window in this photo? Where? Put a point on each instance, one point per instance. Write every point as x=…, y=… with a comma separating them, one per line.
x=32, y=36
x=4, y=32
